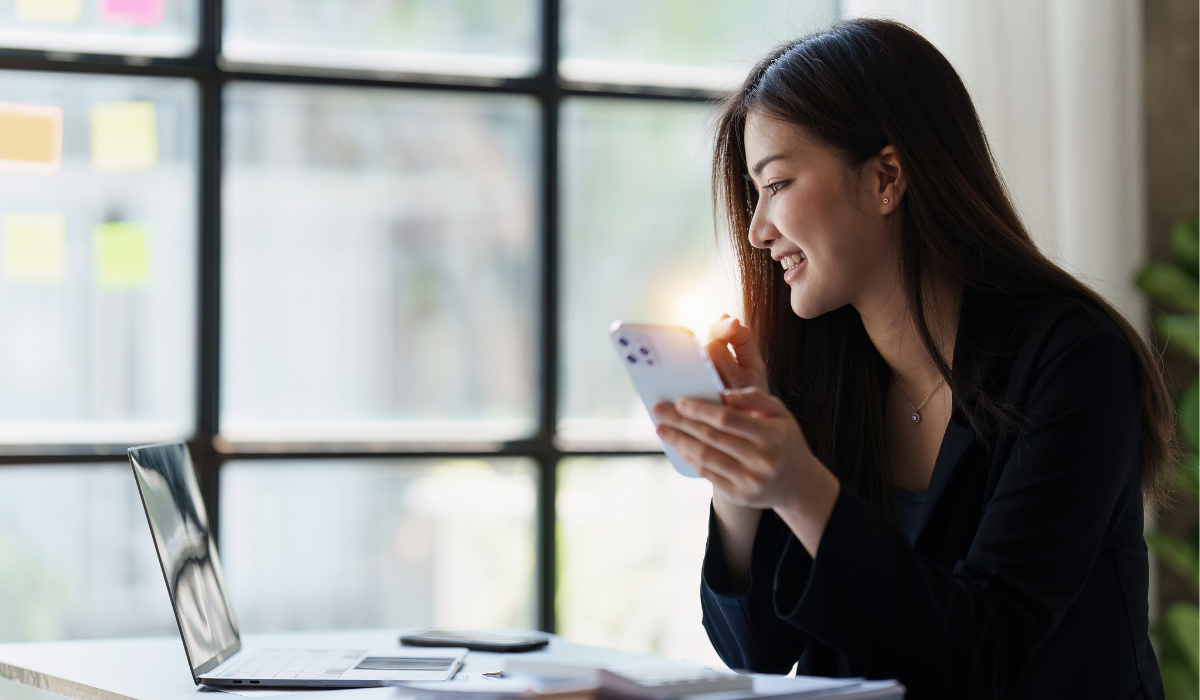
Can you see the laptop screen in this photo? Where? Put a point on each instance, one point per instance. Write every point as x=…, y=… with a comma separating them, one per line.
x=179, y=525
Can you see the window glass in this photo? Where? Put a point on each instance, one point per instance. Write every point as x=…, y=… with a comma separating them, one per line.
x=631, y=536
x=76, y=557
x=167, y=28
x=638, y=245
x=98, y=212
x=379, y=543
x=380, y=268
x=497, y=38
x=708, y=44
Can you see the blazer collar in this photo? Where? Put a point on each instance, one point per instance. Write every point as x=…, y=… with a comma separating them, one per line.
x=957, y=441
x=983, y=324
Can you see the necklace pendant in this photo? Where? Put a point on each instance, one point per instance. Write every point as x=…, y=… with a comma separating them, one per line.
x=916, y=417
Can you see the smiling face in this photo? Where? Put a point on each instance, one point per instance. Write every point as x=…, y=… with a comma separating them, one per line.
x=827, y=225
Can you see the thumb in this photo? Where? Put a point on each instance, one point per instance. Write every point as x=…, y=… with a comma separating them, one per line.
x=745, y=347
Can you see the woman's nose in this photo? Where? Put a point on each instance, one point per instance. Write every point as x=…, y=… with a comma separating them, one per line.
x=761, y=231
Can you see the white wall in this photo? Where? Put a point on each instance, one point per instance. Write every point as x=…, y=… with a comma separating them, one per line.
x=1057, y=84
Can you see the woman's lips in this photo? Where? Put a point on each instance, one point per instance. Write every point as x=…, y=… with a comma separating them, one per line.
x=793, y=265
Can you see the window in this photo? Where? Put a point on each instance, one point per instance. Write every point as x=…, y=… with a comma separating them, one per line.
x=379, y=265
x=137, y=30
x=495, y=39
x=364, y=256
x=636, y=243
x=323, y=544
x=98, y=259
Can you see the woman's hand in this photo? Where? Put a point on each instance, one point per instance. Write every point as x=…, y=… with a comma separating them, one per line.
x=752, y=450
x=744, y=366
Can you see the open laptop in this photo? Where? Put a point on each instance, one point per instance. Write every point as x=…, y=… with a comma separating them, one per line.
x=179, y=526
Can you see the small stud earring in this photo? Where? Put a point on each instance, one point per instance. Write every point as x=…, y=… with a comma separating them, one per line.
x=885, y=200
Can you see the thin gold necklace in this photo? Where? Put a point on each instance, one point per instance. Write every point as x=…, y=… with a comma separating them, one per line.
x=916, y=410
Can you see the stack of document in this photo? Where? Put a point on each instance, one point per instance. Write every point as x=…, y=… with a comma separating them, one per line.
x=656, y=680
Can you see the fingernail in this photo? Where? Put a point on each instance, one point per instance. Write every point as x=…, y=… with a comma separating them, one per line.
x=684, y=406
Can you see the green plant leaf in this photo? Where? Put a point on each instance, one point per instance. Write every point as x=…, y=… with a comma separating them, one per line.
x=1179, y=556
x=1187, y=412
x=1188, y=475
x=1180, y=333
x=1170, y=285
x=1185, y=246
x=1178, y=682
x=1182, y=623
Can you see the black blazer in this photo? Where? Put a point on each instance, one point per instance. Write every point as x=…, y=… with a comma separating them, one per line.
x=1028, y=577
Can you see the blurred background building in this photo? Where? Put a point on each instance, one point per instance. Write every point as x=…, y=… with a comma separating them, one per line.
x=364, y=254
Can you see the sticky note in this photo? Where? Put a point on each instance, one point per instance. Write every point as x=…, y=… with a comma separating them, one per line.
x=122, y=250
x=35, y=246
x=124, y=136
x=30, y=138
x=142, y=12
x=49, y=11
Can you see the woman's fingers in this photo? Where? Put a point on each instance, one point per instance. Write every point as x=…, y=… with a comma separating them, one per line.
x=719, y=482
x=727, y=367
x=754, y=401
x=731, y=332
x=728, y=443
x=698, y=454
x=723, y=418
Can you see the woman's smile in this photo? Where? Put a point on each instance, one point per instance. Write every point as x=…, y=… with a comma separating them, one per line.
x=793, y=264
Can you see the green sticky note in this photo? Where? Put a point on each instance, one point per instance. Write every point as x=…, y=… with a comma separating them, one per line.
x=124, y=136
x=122, y=251
x=34, y=246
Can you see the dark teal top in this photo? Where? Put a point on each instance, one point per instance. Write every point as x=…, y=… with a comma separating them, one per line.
x=908, y=510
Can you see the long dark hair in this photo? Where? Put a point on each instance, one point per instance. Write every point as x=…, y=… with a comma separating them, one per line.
x=857, y=87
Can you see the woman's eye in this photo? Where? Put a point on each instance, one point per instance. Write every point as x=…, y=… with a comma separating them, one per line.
x=774, y=187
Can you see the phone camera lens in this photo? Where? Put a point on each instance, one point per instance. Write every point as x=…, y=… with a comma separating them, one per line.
x=632, y=359
x=645, y=351
x=623, y=341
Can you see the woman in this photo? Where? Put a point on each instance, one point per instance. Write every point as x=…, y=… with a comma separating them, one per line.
x=933, y=458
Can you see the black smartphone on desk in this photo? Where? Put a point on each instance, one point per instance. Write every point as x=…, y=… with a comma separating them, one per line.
x=476, y=641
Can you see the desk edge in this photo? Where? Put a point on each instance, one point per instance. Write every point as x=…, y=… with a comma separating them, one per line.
x=43, y=681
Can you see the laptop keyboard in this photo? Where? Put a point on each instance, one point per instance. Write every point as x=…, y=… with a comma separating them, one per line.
x=289, y=663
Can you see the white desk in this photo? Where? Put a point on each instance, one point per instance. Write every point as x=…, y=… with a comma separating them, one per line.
x=156, y=668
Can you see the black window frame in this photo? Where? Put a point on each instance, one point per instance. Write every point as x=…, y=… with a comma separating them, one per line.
x=205, y=68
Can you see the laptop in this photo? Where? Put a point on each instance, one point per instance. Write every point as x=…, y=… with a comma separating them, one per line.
x=196, y=585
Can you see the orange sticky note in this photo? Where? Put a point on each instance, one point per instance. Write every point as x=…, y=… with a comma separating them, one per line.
x=34, y=246
x=124, y=136
x=49, y=11
x=122, y=250
x=30, y=138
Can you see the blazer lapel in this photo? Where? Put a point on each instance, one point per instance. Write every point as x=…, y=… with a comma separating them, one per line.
x=983, y=323
x=955, y=443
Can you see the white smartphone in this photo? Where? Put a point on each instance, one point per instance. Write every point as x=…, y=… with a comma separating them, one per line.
x=666, y=363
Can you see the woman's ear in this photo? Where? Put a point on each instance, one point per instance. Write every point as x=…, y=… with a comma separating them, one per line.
x=887, y=179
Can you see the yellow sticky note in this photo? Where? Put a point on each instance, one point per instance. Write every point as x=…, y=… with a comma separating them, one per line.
x=124, y=136
x=34, y=247
x=30, y=138
x=122, y=250
x=49, y=11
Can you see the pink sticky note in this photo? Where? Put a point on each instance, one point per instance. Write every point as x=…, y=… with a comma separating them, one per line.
x=143, y=12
